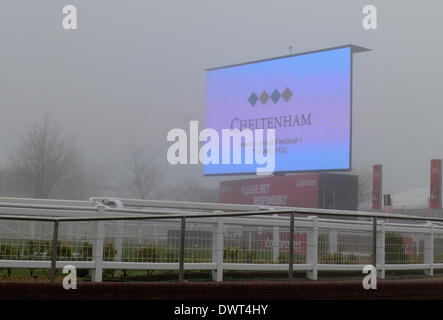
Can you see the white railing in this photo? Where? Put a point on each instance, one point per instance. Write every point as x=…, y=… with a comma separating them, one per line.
x=124, y=234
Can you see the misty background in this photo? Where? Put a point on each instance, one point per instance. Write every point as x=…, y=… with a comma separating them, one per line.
x=135, y=70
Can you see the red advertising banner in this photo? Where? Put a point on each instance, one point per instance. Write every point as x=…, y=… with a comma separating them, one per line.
x=435, y=190
x=376, y=186
x=299, y=190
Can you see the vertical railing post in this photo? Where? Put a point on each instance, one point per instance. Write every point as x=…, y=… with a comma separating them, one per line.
x=275, y=244
x=217, y=249
x=381, y=234
x=333, y=241
x=119, y=241
x=291, y=247
x=98, y=246
x=374, y=242
x=182, y=250
x=275, y=241
x=429, y=251
x=54, y=252
x=119, y=228
x=312, y=249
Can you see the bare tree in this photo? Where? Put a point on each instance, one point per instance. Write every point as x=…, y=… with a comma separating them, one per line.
x=141, y=176
x=192, y=190
x=45, y=162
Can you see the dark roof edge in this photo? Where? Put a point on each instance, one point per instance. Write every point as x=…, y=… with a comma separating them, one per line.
x=354, y=49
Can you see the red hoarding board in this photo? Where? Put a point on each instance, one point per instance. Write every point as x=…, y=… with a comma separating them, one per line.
x=299, y=190
x=376, y=186
x=435, y=190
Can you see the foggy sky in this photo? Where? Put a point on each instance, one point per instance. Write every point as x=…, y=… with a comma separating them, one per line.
x=135, y=69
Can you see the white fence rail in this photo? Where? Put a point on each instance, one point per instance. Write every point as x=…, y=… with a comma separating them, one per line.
x=148, y=235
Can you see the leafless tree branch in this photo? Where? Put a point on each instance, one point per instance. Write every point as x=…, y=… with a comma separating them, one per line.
x=141, y=176
x=45, y=161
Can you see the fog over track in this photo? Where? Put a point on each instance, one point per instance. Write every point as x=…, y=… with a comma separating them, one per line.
x=135, y=70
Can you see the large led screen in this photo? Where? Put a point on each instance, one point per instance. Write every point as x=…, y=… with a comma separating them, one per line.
x=306, y=98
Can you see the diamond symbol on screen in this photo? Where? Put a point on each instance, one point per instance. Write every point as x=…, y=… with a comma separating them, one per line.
x=253, y=99
x=275, y=95
x=264, y=97
x=287, y=94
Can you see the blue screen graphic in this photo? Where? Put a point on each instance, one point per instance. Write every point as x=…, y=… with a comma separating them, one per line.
x=306, y=98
